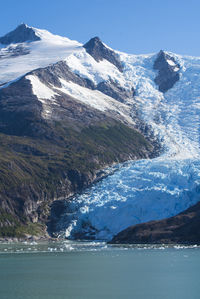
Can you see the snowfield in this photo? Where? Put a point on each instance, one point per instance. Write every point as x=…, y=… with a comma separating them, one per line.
x=50, y=49
x=138, y=191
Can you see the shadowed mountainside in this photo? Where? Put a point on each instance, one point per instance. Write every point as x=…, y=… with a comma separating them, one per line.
x=182, y=229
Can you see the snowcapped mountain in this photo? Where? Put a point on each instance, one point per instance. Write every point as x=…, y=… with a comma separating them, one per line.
x=53, y=79
x=27, y=48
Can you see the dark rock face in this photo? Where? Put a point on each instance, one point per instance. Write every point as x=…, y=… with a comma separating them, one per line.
x=115, y=91
x=51, y=74
x=21, y=34
x=21, y=111
x=98, y=51
x=167, y=71
x=183, y=228
x=18, y=108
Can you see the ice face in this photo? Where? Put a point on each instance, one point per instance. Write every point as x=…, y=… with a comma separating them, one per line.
x=147, y=190
x=141, y=191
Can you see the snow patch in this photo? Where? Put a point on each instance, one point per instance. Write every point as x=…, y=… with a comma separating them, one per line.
x=40, y=89
x=95, y=99
x=171, y=62
x=44, y=94
x=86, y=66
x=176, y=69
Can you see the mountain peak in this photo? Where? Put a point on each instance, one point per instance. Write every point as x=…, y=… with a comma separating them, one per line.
x=23, y=33
x=164, y=59
x=161, y=53
x=99, y=51
x=93, y=41
x=94, y=46
x=168, y=69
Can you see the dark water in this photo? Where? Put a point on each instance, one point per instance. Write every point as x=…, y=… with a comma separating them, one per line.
x=78, y=270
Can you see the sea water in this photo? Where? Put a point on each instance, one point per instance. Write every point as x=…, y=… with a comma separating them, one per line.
x=93, y=270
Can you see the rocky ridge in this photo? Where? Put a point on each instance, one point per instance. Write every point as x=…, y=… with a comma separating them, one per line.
x=21, y=34
x=168, y=73
x=99, y=51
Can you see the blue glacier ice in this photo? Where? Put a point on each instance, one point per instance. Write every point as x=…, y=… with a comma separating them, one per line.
x=145, y=190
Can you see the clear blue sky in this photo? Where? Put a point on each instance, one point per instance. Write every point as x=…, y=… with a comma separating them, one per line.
x=132, y=26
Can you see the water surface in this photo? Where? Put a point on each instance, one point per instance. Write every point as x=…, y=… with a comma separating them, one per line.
x=95, y=270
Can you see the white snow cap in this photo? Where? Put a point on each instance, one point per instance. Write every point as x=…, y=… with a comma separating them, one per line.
x=49, y=49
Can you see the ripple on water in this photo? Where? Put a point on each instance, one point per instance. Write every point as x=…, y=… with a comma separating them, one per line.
x=80, y=246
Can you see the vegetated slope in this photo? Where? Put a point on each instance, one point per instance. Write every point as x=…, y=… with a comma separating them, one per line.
x=35, y=170
x=182, y=229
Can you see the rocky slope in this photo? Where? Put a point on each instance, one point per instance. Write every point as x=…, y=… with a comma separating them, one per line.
x=21, y=34
x=182, y=229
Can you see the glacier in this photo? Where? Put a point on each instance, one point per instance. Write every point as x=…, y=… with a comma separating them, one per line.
x=140, y=191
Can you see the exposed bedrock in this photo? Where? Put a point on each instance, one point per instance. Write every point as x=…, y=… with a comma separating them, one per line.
x=99, y=51
x=21, y=34
x=115, y=91
x=168, y=71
